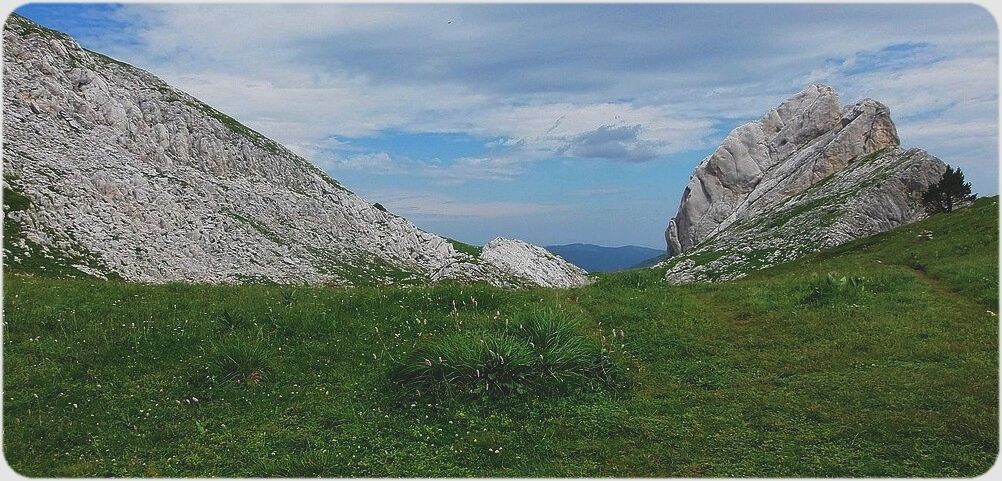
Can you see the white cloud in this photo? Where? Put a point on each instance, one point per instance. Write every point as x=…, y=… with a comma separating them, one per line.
x=602, y=191
x=569, y=129
x=436, y=205
x=565, y=80
x=376, y=163
x=948, y=108
x=501, y=167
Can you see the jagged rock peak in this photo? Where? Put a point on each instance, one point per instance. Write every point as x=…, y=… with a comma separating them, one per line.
x=762, y=163
x=811, y=174
x=127, y=176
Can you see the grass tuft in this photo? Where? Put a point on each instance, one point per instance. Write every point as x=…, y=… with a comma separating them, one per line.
x=560, y=351
x=240, y=360
x=230, y=321
x=469, y=362
x=543, y=353
x=832, y=289
x=288, y=296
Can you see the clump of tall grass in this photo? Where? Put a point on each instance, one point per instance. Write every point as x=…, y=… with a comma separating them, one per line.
x=230, y=321
x=238, y=359
x=833, y=289
x=471, y=362
x=561, y=351
x=546, y=351
x=288, y=296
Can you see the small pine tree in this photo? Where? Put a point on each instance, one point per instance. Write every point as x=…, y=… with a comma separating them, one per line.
x=949, y=193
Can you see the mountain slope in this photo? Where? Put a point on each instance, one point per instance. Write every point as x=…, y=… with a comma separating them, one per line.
x=595, y=258
x=126, y=176
x=809, y=175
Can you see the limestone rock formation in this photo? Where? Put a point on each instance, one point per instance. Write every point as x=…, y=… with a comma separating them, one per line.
x=809, y=175
x=532, y=263
x=126, y=176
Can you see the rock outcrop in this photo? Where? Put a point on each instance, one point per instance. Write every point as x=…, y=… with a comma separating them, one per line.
x=126, y=176
x=533, y=263
x=809, y=175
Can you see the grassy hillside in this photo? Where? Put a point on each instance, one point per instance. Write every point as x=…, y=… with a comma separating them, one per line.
x=892, y=371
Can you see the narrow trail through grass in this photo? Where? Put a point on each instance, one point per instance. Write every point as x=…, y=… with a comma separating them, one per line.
x=939, y=287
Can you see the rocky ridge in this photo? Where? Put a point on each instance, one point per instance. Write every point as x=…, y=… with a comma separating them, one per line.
x=535, y=263
x=125, y=176
x=809, y=175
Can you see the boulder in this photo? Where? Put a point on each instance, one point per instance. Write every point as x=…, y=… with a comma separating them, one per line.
x=533, y=264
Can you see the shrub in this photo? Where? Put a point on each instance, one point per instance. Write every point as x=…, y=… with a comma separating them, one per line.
x=238, y=359
x=833, y=289
x=546, y=351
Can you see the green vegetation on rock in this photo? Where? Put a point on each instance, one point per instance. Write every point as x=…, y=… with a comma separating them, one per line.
x=468, y=249
x=23, y=255
x=24, y=26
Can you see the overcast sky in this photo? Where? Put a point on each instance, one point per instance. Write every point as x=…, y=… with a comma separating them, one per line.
x=552, y=123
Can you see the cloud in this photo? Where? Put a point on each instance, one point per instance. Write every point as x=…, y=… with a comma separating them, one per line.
x=465, y=168
x=613, y=143
x=373, y=163
x=436, y=205
x=618, y=131
x=502, y=167
x=616, y=82
x=601, y=191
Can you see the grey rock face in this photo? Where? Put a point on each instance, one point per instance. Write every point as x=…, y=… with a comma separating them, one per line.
x=137, y=179
x=808, y=176
x=532, y=263
x=762, y=163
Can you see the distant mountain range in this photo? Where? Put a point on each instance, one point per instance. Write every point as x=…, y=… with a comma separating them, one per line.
x=593, y=258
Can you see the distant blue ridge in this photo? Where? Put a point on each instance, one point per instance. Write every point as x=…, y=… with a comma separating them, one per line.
x=594, y=258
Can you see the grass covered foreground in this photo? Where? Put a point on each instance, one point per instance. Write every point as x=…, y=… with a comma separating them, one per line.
x=879, y=358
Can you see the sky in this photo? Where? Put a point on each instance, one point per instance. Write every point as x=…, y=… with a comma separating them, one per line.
x=551, y=123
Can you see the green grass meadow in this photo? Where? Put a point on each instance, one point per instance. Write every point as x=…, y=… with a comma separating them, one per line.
x=788, y=372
